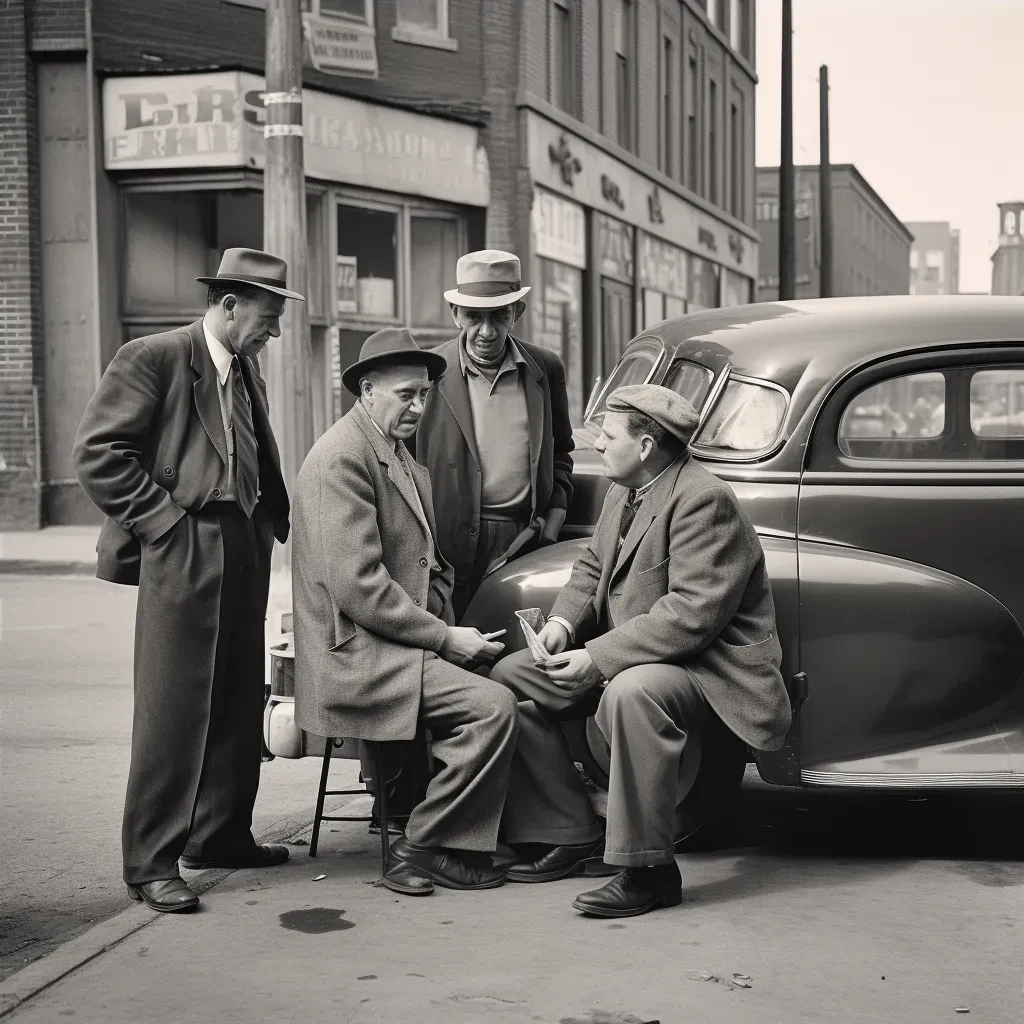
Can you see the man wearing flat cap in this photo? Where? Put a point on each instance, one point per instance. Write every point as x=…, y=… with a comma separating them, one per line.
x=177, y=451
x=377, y=656
x=495, y=435
x=668, y=630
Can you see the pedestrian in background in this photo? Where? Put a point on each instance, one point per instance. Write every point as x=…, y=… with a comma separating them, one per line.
x=177, y=451
x=495, y=435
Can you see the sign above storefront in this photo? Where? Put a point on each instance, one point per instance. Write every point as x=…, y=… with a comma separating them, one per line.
x=216, y=121
x=341, y=47
x=608, y=185
x=559, y=229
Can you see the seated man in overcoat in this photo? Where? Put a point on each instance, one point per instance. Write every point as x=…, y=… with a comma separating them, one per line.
x=670, y=617
x=376, y=654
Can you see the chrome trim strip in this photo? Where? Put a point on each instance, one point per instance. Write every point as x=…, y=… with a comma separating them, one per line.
x=892, y=780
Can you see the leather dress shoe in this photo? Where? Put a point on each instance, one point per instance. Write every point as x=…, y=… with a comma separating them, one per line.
x=633, y=892
x=561, y=862
x=447, y=868
x=168, y=896
x=394, y=829
x=257, y=857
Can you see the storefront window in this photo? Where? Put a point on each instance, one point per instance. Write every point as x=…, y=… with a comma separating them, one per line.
x=367, y=263
x=435, y=250
x=663, y=274
x=703, y=284
x=557, y=310
x=736, y=289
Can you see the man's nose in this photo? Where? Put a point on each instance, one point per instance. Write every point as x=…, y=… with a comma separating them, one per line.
x=275, y=328
x=417, y=406
x=487, y=331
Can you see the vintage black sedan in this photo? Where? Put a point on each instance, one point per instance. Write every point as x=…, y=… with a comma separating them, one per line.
x=878, y=446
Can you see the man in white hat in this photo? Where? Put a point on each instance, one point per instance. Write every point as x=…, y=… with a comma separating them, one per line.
x=495, y=435
x=177, y=451
x=671, y=622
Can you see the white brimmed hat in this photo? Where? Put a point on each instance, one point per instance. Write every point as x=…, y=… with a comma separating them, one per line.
x=487, y=279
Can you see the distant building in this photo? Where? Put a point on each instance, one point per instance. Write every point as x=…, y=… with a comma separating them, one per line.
x=1008, y=259
x=934, y=258
x=870, y=246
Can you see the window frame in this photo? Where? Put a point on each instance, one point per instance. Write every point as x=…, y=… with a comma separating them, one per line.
x=643, y=343
x=713, y=454
x=625, y=119
x=440, y=38
x=671, y=94
x=572, y=91
x=958, y=361
x=412, y=211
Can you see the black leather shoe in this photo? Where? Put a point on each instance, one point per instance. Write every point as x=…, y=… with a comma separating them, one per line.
x=561, y=862
x=634, y=891
x=463, y=870
x=394, y=829
x=168, y=896
x=257, y=857
x=405, y=878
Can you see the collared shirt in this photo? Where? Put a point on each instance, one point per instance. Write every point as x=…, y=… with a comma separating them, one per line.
x=222, y=361
x=403, y=456
x=502, y=426
x=638, y=497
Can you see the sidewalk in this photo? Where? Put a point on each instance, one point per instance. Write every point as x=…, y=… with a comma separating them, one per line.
x=286, y=944
x=56, y=550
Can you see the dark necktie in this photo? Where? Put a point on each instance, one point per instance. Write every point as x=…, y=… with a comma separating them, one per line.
x=247, y=473
x=628, y=513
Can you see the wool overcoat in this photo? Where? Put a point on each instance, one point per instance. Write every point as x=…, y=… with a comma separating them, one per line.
x=364, y=571
x=688, y=587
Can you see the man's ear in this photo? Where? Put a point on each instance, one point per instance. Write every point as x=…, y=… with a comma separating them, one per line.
x=455, y=314
x=517, y=311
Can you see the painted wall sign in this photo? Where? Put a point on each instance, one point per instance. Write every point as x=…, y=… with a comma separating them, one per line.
x=559, y=229
x=672, y=217
x=216, y=120
x=341, y=47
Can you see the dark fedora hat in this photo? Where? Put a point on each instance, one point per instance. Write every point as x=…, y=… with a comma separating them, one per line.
x=253, y=267
x=394, y=346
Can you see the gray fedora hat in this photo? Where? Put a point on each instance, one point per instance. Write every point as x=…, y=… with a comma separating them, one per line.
x=255, y=268
x=393, y=346
x=487, y=279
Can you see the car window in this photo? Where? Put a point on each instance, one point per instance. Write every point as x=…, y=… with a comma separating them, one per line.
x=889, y=420
x=997, y=403
x=746, y=420
x=635, y=367
x=691, y=380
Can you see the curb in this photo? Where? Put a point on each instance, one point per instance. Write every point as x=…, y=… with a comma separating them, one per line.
x=33, y=567
x=45, y=972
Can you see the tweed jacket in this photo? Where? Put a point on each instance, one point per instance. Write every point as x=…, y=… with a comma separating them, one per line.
x=151, y=446
x=446, y=445
x=363, y=567
x=688, y=587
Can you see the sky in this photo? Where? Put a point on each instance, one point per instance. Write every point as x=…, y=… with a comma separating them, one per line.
x=925, y=99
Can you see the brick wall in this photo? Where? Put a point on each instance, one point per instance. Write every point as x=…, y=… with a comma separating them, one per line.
x=176, y=35
x=20, y=365
x=55, y=23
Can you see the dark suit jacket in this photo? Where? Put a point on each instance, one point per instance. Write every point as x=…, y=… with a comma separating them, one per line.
x=151, y=446
x=688, y=587
x=446, y=445
x=362, y=574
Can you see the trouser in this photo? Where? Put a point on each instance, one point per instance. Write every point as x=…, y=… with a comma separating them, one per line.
x=493, y=541
x=199, y=683
x=473, y=728
x=646, y=717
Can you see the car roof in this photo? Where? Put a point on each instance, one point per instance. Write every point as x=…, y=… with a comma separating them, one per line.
x=782, y=341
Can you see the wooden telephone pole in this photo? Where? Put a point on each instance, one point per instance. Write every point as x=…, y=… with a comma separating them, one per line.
x=824, y=184
x=288, y=359
x=787, y=207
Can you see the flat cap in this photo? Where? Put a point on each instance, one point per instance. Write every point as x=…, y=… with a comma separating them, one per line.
x=663, y=406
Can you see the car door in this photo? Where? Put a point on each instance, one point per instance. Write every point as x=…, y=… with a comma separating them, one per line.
x=911, y=567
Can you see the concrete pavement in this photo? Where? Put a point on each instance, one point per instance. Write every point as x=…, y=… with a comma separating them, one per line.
x=54, y=550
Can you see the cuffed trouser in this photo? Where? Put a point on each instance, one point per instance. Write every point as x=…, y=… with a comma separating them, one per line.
x=493, y=541
x=647, y=716
x=199, y=671
x=473, y=728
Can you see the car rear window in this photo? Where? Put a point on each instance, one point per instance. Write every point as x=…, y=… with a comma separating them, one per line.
x=691, y=380
x=746, y=420
x=634, y=368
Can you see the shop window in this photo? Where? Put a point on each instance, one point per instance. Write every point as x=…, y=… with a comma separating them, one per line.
x=703, y=275
x=170, y=240
x=435, y=246
x=355, y=10
x=557, y=310
x=366, y=281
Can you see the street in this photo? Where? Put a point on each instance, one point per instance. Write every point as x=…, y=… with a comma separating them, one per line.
x=65, y=731
x=824, y=888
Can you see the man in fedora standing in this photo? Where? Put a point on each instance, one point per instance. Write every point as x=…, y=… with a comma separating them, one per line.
x=177, y=451
x=495, y=434
x=376, y=653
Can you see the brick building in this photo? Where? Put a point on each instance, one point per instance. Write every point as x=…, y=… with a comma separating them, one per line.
x=609, y=142
x=870, y=246
x=934, y=258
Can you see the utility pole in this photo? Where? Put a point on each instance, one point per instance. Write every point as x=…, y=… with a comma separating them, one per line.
x=824, y=185
x=787, y=209
x=288, y=359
